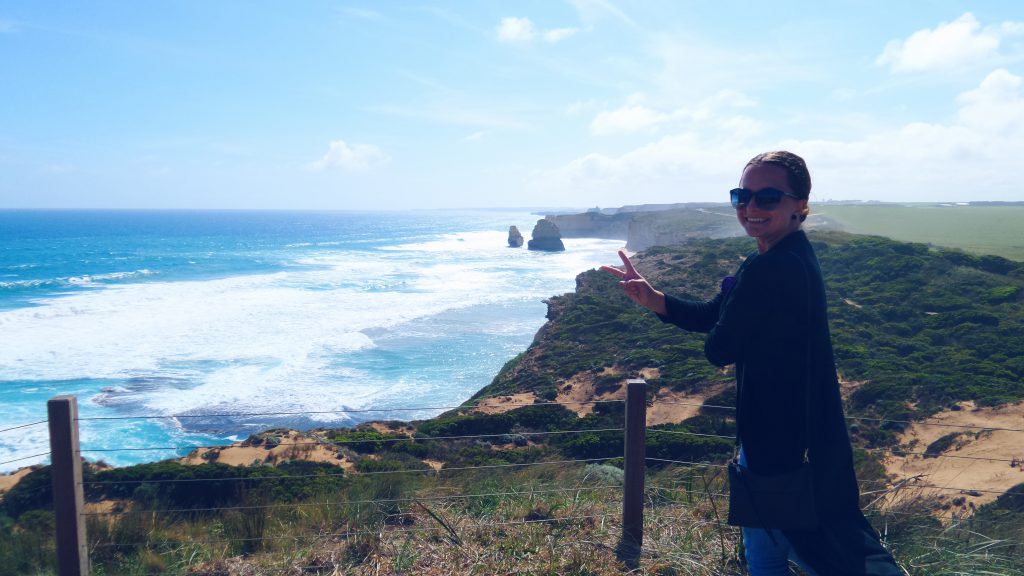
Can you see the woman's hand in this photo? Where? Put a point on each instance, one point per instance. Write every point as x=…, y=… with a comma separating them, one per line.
x=637, y=288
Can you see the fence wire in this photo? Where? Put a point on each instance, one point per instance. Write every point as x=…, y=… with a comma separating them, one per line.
x=25, y=458
x=344, y=474
x=362, y=441
x=382, y=530
x=347, y=411
x=938, y=424
x=24, y=426
x=351, y=502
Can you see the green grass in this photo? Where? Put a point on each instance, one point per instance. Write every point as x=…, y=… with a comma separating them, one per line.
x=997, y=230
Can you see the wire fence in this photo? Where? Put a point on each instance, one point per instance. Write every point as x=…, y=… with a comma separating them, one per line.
x=666, y=501
x=351, y=533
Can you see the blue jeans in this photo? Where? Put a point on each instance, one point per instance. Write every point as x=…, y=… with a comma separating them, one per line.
x=765, y=556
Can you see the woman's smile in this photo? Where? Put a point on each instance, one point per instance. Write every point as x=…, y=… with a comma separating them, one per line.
x=768, y=226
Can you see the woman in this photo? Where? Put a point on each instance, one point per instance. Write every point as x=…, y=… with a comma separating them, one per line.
x=771, y=322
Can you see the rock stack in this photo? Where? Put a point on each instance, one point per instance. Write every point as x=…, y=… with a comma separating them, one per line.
x=546, y=236
x=515, y=238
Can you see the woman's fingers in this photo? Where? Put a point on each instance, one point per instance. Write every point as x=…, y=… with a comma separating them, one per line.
x=633, y=284
x=614, y=272
x=630, y=271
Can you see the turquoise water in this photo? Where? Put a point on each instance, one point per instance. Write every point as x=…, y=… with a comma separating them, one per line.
x=258, y=319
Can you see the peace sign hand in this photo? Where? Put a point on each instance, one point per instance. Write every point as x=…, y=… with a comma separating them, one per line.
x=636, y=287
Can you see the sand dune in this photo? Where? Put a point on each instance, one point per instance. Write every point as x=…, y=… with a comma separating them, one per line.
x=962, y=470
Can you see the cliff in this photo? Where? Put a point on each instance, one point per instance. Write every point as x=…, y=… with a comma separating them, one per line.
x=650, y=225
x=916, y=329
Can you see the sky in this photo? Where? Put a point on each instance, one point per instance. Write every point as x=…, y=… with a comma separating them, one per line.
x=369, y=105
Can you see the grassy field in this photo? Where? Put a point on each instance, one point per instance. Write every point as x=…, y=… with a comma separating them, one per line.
x=995, y=230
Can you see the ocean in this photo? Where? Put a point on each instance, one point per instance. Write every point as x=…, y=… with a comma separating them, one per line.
x=191, y=328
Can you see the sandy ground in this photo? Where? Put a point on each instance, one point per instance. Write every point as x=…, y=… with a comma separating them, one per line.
x=294, y=446
x=578, y=392
x=669, y=407
x=7, y=481
x=975, y=481
x=848, y=387
x=674, y=407
x=389, y=428
x=501, y=404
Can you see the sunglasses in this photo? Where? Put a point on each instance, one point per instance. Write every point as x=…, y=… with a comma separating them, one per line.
x=765, y=198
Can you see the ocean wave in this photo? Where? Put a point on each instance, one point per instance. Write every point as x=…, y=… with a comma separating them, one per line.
x=83, y=280
x=93, y=278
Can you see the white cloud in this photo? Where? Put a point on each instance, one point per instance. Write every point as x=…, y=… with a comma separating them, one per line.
x=559, y=34
x=476, y=136
x=7, y=26
x=627, y=119
x=636, y=116
x=514, y=29
x=523, y=30
x=974, y=156
x=994, y=106
x=949, y=45
x=582, y=106
x=352, y=158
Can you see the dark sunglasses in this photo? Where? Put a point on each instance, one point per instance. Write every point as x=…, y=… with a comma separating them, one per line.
x=765, y=198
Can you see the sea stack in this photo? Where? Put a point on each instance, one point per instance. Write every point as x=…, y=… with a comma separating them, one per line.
x=546, y=236
x=515, y=238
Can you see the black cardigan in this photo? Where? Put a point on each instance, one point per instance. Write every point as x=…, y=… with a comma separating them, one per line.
x=764, y=324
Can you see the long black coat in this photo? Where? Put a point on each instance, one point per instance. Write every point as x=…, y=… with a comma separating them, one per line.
x=772, y=323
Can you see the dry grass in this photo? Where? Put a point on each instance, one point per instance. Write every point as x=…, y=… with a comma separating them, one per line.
x=565, y=521
x=536, y=521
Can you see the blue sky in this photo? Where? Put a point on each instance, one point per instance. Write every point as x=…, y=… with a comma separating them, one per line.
x=386, y=105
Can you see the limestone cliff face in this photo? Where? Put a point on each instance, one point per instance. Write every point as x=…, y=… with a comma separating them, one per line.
x=546, y=236
x=676, y=226
x=592, y=225
x=651, y=225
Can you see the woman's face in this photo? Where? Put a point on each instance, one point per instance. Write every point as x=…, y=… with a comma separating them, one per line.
x=769, y=226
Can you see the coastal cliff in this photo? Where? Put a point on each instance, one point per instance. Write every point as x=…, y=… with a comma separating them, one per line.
x=650, y=225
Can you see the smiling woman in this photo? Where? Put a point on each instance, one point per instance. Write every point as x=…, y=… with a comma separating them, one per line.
x=771, y=201
x=770, y=321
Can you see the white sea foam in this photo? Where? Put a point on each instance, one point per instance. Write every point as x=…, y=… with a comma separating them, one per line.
x=270, y=342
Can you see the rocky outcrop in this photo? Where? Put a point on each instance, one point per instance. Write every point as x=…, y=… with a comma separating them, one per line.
x=515, y=238
x=546, y=236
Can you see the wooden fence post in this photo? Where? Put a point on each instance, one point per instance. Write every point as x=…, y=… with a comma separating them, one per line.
x=68, y=501
x=635, y=467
